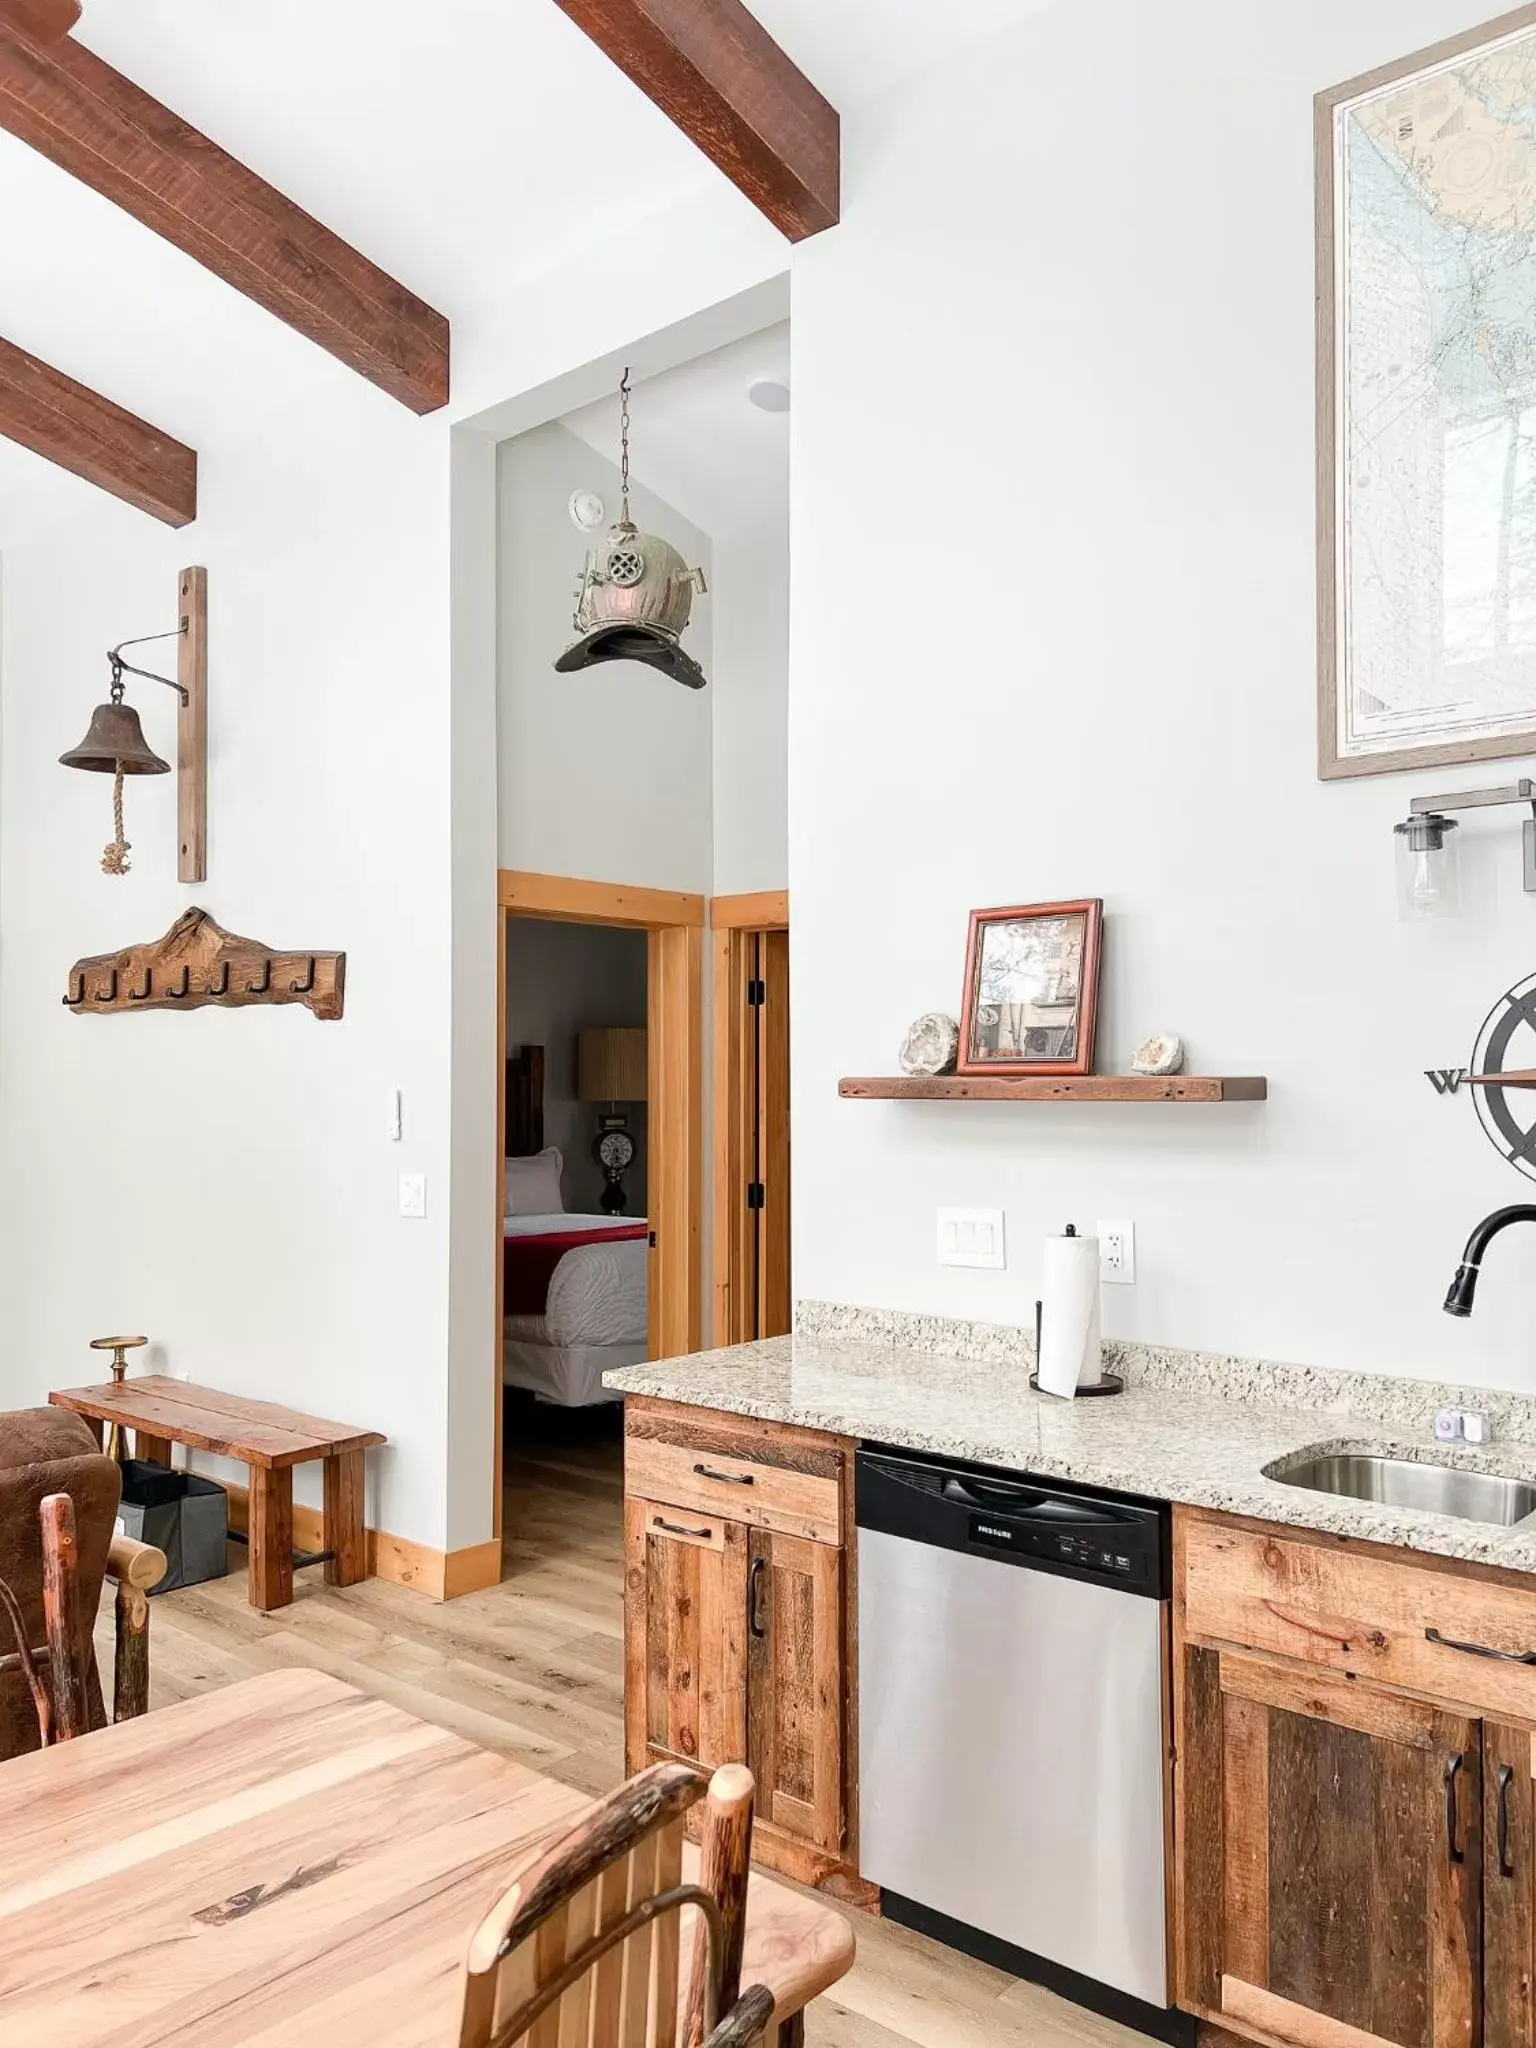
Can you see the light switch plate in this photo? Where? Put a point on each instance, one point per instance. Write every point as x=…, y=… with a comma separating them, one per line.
x=413, y=1194
x=971, y=1237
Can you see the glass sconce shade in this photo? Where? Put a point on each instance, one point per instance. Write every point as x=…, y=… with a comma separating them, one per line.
x=1428, y=866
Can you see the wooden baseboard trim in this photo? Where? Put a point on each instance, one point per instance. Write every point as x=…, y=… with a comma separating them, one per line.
x=439, y=1574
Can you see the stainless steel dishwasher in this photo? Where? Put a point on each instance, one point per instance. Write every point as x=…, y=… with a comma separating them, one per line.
x=1013, y=1724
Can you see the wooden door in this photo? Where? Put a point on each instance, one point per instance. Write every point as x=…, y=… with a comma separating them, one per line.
x=795, y=1686
x=1509, y=1895
x=1330, y=1858
x=685, y=1656
x=773, y=1287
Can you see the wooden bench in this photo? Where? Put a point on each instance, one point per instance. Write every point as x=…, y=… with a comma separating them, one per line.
x=270, y=1441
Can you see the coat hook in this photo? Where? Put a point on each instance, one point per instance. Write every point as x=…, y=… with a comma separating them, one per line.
x=302, y=988
x=111, y=990
x=139, y=995
x=221, y=986
x=259, y=988
x=73, y=1001
x=186, y=983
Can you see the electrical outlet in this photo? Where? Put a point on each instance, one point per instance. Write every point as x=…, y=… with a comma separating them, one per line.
x=971, y=1237
x=1117, y=1253
x=413, y=1194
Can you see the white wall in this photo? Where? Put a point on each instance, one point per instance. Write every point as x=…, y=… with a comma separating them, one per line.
x=605, y=773
x=750, y=682
x=1053, y=636
x=563, y=979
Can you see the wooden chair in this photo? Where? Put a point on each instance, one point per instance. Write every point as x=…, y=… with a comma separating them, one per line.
x=588, y=1943
x=62, y=1699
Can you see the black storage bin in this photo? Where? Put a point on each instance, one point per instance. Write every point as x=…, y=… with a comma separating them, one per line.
x=180, y=1513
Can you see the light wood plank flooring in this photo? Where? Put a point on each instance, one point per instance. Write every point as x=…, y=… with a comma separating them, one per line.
x=534, y=1668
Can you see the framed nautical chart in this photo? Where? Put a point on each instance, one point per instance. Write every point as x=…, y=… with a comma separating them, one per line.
x=1426, y=387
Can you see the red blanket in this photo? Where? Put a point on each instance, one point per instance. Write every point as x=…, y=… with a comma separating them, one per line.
x=528, y=1263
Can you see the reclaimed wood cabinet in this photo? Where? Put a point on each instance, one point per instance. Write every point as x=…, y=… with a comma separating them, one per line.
x=1355, y=1791
x=738, y=1622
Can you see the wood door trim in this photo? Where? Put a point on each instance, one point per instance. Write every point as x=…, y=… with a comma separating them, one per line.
x=674, y=922
x=765, y=911
x=570, y=899
x=732, y=1232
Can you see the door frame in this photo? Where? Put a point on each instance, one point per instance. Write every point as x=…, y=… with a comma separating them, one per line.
x=734, y=920
x=673, y=922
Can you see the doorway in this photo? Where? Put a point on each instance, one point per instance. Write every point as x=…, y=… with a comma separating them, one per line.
x=673, y=923
x=752, y=1291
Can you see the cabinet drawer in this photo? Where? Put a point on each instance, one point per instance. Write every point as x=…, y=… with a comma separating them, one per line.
x=793, y=1501
x=1426, y=1629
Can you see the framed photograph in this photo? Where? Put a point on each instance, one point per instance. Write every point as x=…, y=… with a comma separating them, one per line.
x=1426, y=407
x=1031, y=997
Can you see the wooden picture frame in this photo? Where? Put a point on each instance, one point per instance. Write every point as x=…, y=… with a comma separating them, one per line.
x=1056, y=977
x=1360, y=732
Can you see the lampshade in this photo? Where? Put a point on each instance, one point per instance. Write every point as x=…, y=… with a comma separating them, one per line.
x=610, y=1065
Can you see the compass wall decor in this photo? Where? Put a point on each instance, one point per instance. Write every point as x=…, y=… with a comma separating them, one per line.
x=1502, y=1076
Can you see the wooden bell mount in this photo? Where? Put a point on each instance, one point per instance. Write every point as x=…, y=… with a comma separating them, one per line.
x=198, y=963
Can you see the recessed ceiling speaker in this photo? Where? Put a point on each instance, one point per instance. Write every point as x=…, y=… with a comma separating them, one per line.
x=769, y=394
x=587, y=511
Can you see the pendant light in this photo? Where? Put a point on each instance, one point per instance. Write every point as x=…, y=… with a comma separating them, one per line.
x=635, y=595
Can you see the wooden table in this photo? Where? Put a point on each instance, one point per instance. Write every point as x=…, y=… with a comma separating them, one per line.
x=270, y=1440
x=285, y=1862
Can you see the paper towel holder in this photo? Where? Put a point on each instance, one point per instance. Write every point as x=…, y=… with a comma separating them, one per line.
x=1106, y=1383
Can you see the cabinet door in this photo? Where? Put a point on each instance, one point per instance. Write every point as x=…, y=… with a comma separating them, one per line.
x=1330, y=1858
x=796, y=1687
x=1509, y=1895
x=685, y=1659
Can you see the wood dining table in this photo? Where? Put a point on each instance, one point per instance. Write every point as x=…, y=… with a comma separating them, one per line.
x=285, y=1861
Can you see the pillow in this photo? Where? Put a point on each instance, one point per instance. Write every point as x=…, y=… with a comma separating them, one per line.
x=532, y=1186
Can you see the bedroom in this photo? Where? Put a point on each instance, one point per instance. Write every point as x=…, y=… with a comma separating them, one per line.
x=632, y=814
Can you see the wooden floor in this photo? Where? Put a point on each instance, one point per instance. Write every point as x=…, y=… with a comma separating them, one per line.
x=534, y=1668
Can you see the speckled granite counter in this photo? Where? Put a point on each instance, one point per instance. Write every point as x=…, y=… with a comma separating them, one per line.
x=1188, y=1428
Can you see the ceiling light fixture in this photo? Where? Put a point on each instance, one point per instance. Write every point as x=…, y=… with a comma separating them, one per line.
x=769, y=394
x=587, y=511
x=635, y=595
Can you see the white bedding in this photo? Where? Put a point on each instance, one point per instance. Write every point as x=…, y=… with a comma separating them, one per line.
x=595, y=1316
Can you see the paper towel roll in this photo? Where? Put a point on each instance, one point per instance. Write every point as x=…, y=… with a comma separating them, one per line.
x=1069, y=1315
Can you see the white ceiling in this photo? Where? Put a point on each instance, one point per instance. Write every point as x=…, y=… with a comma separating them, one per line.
x=853, y=49
x=696, y=438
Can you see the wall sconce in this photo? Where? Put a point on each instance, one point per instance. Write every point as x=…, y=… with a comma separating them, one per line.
x=1428, y=870
x=115, y=745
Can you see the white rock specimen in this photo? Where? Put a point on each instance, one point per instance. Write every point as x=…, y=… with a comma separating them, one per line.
x=931, y=1046
x=1162, y=1055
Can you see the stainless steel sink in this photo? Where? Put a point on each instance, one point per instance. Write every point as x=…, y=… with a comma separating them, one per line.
x=1405, y=1483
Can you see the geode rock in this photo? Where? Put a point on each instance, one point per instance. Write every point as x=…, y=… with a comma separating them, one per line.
x=931, y=1046
x=1162, y=1055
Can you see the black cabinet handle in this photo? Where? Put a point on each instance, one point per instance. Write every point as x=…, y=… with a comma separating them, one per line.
x=1433, y=1635
x=1506, y=1777
x=725, y=1478
x=677, y=1529
x=1452, y=1831
x=754, y=1589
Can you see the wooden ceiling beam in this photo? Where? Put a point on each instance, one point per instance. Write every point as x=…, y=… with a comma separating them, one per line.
x=45, y=21
x=104, y=130
x=81, y=431
x=717, y=74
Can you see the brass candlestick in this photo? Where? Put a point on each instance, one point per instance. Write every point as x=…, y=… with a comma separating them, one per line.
x=116, y=1442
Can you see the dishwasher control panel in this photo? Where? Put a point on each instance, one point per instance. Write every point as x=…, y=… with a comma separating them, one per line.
x=1016, y=1518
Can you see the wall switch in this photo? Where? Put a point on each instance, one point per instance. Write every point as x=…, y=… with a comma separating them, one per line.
x=1117, y=1253
x=413, y=1194
x=971, y=1237
x=394, y=1114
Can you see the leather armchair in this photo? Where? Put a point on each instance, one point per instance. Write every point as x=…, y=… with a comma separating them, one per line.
x=44, y=1451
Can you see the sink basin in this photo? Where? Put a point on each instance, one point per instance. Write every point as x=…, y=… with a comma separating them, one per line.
x=1405, y=1483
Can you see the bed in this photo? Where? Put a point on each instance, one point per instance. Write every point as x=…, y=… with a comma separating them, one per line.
x=574, y=1301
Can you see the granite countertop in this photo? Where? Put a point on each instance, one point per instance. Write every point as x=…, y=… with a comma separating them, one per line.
x=1191, y=1430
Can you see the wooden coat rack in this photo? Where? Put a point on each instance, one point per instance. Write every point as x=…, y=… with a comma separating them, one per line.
x=197, y=963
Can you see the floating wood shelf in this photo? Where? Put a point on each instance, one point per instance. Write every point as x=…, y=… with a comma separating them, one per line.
x=1045, y=1088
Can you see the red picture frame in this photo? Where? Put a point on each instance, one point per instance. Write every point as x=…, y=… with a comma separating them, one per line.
x=1012, y=1034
